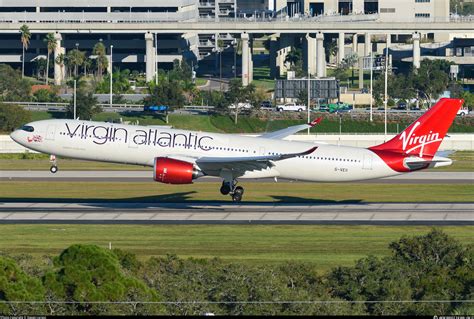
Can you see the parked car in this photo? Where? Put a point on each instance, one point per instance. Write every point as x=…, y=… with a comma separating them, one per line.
x=400, y=106
x=155, y=108
x=266, y=104
x=290, y=107
x=241, y=105
x=463, y=111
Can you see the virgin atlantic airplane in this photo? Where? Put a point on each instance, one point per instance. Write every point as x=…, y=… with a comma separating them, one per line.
x=179, y=157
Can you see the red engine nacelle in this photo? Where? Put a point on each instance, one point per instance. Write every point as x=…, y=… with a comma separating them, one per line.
x=171, y=171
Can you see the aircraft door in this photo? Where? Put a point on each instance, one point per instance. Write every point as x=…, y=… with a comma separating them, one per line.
x=367, y=164
x=50, y=132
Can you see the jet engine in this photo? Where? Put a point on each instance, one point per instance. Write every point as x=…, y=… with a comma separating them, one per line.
x=171, y=171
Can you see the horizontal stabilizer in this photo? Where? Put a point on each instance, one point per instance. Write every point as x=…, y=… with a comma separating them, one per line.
x=414, y=163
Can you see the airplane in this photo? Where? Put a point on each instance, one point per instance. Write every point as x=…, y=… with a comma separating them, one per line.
x=179, y=156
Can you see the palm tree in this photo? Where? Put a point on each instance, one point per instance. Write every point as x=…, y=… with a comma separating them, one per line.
x=60, y=60
x=76, y=58
x=25, y=41
x=101, y=61
x=51, y=44
x=294, y=56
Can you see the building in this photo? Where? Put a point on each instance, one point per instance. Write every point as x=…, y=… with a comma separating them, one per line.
x=129, y=49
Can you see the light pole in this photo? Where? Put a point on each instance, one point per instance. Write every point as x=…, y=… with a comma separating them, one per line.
x=386, y=95
x=235, y=57
x=75, y=100
x=371, y=85
x=111, y=73
x=309, y=97
x=156, y=59
x=75, y=64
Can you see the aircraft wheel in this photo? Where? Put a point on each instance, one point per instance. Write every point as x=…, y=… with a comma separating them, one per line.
x=238, y=193
x=225, y=189
x=53, y=169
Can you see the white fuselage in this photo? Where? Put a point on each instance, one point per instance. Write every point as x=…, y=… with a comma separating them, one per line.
x=140, y=145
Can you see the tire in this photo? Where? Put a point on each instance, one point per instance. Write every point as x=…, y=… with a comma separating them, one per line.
x=300, y=110
x=236, y=197
x=239, y=189
x=53, y=169
x=225, y=189
x=280, y=110
x=238, y=193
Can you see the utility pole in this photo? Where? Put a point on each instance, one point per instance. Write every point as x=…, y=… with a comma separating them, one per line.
x=386, y=95
x=156, y=59
x=75, y=100
x=309, y=97
x=111, y=74
x=371, y=85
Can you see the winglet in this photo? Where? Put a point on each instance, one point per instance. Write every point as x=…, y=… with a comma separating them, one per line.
x=315, y=122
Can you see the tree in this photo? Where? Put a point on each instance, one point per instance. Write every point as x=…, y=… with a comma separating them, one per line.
x=101, y=61
x=87, y=274
x=12, y=86
x=51, y=45
x=169, y=93
x=349, y=62
x=421, y=268
x=25, y=41
x=86, y=104
x=76, y=58
x=431, y=78
x=294, y=58
x=235, y=95
x=61, y=61
x=41, y=65
x=340, y=73
x=15, y=285
x=12, y=117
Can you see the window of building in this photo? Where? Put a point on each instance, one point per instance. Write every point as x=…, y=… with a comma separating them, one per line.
x=422, y=1
x=371, y=7
x=422, y=15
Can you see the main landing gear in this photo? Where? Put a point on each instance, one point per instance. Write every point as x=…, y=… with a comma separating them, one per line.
x=230, y=188
x=54, y=167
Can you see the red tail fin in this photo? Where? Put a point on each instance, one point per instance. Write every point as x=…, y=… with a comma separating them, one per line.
x=423, y=137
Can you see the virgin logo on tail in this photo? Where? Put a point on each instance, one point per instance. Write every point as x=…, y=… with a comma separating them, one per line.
x=418, y=142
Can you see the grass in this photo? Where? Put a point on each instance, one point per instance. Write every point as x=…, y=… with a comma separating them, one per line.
x=201, y=81
x=323, y=246
x=65, y=191
x=463, y=162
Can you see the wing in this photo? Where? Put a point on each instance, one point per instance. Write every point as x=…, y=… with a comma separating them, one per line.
x=281, y=134
x=239, y=165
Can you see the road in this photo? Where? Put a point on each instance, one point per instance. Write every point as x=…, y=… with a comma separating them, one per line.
x=251, y=213
x=430, y=177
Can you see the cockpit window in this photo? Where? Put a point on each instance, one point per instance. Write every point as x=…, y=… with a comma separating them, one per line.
x=28, y=128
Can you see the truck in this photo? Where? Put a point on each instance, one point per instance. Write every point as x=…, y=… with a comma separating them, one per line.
x=290, y=107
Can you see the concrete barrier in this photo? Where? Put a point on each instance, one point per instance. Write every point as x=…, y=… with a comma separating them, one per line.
x=458, y=142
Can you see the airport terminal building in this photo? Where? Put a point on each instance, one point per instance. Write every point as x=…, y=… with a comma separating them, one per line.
x=131, y=31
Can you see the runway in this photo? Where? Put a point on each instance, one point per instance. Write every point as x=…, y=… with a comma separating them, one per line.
x=425, y=177
x=224, y=213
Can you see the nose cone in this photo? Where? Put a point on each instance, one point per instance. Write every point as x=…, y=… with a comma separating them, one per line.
x=15, y=135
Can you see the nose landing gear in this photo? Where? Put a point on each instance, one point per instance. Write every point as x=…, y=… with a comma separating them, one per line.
x=230, y=188
x=54, y=167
